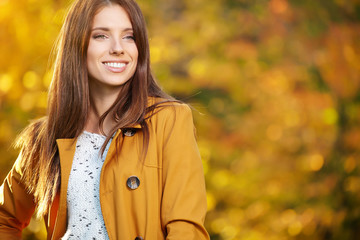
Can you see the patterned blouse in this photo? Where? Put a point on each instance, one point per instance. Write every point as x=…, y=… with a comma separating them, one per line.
x=85, y=220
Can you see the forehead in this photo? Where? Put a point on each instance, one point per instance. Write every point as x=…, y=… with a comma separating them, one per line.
x=112, y=16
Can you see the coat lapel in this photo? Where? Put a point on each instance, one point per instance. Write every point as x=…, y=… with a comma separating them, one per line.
x=66, y=153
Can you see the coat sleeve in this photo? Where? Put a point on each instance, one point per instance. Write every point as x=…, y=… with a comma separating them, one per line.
x=16, y=205
x=183, y=207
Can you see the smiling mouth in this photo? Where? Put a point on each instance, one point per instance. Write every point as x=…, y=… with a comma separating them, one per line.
x=115, y=64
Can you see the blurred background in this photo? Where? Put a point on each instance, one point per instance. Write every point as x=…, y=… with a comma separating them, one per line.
x=275, y=85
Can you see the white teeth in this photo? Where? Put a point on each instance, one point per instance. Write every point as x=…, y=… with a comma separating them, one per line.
x=115, y=64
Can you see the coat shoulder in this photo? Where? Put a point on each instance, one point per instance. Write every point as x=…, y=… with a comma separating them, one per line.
x=170, y=110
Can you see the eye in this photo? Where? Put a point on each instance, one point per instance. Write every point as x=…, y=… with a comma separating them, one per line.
x=129, y=37
x=99, y=36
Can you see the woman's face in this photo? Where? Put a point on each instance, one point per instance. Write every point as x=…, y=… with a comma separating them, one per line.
x=112, y=53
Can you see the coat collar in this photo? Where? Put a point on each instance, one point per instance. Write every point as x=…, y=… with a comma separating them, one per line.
x=66, y=153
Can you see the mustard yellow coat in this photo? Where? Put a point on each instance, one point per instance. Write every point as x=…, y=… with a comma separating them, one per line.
x=169, y=203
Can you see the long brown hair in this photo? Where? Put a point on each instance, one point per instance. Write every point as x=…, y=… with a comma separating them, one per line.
x=69, y=100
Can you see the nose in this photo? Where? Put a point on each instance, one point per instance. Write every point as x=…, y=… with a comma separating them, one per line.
x=116, y=48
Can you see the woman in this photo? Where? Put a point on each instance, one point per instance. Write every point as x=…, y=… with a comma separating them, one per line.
x=115, y=157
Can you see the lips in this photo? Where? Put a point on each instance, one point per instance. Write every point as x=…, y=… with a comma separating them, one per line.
x=115, y=67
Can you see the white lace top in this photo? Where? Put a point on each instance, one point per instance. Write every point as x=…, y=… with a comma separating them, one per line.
x=85, y=220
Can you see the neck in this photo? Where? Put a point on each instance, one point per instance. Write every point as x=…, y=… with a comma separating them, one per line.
x=100, y=102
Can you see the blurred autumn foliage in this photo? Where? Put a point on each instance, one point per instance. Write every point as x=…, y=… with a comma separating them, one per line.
x=276, y=88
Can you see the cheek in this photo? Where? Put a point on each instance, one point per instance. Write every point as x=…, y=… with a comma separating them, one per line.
x=91, y=53
x=91, y=59
x=96, y=50
x=135, y=54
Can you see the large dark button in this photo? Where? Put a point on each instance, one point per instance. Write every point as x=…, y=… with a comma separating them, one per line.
x=139, y=238
x=133, y=182
x=129, y=132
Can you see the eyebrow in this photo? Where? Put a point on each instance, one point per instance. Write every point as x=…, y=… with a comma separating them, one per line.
x=108, y=29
